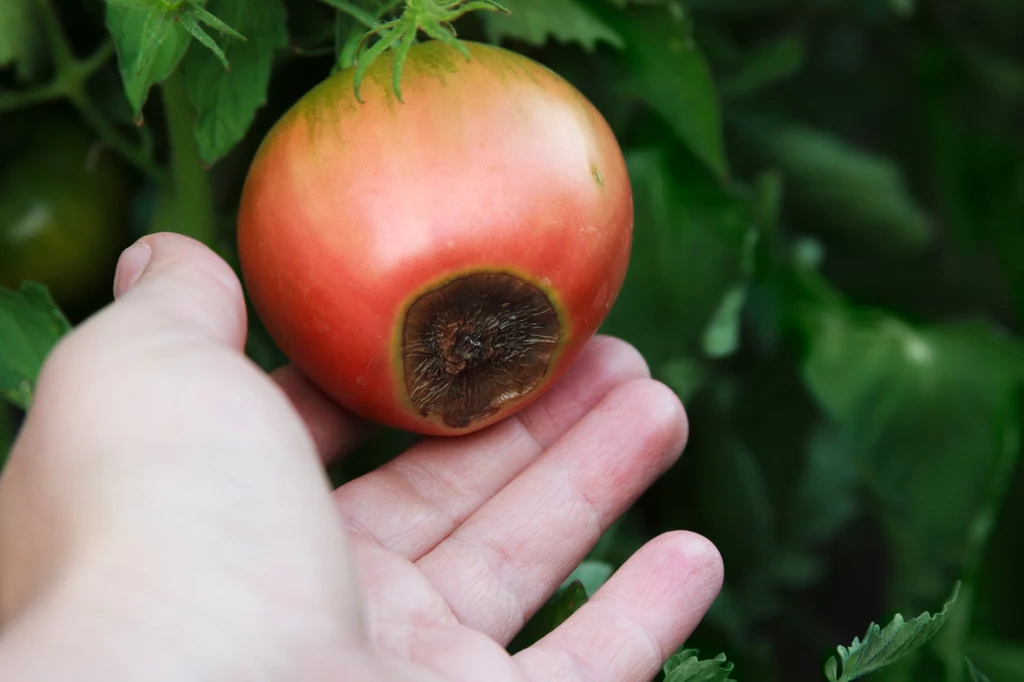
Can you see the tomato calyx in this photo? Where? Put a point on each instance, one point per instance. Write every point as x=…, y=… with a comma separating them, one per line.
x=480, y=341
x=433, y=17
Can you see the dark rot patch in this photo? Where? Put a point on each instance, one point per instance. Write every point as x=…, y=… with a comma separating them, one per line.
x=476, y=343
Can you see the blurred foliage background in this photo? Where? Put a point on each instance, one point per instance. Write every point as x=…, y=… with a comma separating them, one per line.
x=828, y=268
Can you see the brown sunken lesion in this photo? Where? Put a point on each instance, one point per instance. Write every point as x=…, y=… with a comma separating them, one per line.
x=476, y=343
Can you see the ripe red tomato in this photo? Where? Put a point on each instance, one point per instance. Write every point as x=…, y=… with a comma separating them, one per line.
x=435, y=264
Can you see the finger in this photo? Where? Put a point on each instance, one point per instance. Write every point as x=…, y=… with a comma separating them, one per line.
x=167, y=282
x=162, y=370
x=151, y=406
x=637, y=619
x=210, y=295
x=499, y=566
x=168, y=291
x=419, y=498
x=334, y=429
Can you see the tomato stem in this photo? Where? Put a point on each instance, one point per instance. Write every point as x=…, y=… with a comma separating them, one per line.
x=60, y=50
x=192, y=206
x=10, y=101
x=110, y=135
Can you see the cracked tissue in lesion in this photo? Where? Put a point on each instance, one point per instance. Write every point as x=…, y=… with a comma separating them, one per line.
x=475, y=344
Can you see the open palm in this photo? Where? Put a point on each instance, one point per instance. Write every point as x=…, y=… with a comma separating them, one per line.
x=189, y=487
x=459, y=541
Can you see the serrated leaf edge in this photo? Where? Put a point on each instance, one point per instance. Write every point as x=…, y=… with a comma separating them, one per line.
x=874, y=630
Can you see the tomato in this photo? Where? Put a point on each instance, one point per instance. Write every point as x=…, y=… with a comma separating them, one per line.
x=435, y=263
x=63, y=209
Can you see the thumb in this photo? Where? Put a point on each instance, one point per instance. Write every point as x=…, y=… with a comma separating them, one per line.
x=151, y=406
x=176, y=302
x=130, y=405
x=160, y=474
x=167, y=281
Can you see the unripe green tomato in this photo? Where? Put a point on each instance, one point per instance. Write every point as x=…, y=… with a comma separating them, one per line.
x=63, y=209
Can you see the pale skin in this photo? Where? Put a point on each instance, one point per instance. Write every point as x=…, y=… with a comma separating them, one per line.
x=165, y=515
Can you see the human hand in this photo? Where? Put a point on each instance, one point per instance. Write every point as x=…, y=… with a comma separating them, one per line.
x=165, y=515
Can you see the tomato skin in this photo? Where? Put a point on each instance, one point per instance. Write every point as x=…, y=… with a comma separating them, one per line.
x=352, y=210
x=64, y=207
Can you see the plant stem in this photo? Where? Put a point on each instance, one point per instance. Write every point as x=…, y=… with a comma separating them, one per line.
x=71, y=75
x=91, y=64
x=9, y=101
x=110, y=135
x=60, y=50
x=952, y=643
x=193, y=212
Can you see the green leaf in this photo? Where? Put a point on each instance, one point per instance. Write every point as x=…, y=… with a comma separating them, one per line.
x=824, y=502
x=930, y=416
x=846, y=189
x=852, y=353
x=1001, y=660
x=536, y=21
x=745, y=526
x=976, y=675
x=856, y=355
x=30, y=325
x=565, y=602
x=684, y=376
x=826, y=497
x=591, y=574
x=8, y=431
x=227, y=101
x=668, y=71
x=766, y=65
x=807, y=253
x=671, y=75
x=213, y=21
x=150, y=43
x=722, y=336
x=568, y=601
x=686, y=666
x=193, y=27
x=21, y=40
x=670, y=296
x=882, y=647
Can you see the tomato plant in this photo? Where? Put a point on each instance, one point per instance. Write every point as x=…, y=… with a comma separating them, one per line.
x=63, y=209
x=434, y=264
x=827, y=264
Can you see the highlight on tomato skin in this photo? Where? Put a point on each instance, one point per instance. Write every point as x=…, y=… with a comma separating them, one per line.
x=436, y=264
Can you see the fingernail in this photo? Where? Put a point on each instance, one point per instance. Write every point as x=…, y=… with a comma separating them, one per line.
x=130, y=267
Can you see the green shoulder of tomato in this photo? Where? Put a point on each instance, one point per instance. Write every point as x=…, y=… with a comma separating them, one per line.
x=64, y=207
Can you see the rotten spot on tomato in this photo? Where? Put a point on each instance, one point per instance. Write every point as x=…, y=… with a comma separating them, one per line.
x=476, y=343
